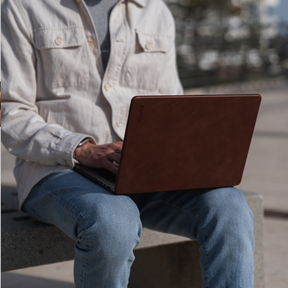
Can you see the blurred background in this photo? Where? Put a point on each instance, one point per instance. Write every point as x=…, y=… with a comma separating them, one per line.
x=224, y=46
x=241, y=46
x=226, y=41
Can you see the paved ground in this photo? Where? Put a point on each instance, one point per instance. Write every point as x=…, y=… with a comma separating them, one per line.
x=266, y=172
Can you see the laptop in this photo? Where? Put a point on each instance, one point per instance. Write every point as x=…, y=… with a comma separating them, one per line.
x=182, y=142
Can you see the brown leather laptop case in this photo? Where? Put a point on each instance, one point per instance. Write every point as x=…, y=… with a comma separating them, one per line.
x=186, y=142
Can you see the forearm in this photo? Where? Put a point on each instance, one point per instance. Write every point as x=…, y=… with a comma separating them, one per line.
x=26, y=135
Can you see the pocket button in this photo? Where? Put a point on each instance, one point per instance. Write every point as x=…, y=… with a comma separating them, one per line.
x=148, y=45
x=58, y=41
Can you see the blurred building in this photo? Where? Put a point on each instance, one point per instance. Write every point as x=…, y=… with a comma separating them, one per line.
x=222, y=41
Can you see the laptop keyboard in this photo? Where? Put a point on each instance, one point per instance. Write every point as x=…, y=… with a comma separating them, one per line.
x=107, y=175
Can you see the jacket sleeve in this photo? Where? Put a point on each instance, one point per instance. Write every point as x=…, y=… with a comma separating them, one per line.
x=25, y=134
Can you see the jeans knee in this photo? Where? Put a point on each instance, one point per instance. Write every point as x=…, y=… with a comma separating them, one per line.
x=237, y=208
x=228, y=210
x=228, y=219
x=230, y=202
x=111, y=230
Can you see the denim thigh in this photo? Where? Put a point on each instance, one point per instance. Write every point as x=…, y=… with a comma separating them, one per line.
x=73, y=203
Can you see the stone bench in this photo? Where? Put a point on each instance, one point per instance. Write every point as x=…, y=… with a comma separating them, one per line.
x=162, y=260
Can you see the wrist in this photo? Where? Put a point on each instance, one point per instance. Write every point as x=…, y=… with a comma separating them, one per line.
x=77, y=151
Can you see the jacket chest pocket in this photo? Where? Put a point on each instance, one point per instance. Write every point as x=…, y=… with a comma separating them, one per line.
x=62, y=57
x=145, y=64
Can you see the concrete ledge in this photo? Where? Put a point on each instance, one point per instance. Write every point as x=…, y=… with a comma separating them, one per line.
x=162, y=260
x=27, y=242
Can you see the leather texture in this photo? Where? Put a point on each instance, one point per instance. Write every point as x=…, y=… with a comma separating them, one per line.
x=186, y=142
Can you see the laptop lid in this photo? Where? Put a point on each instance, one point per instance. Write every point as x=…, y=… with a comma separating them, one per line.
x=186, y=142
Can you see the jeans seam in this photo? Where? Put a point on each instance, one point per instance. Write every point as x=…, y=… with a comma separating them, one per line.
x=184, y=210
x=206, y=256
x=194, y=216
x=32, y=212
x=205, y=267
x=73, y=210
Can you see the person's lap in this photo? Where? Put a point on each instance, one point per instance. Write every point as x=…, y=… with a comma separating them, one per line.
x=68, y=194
x=219, y=219
x=106, y=227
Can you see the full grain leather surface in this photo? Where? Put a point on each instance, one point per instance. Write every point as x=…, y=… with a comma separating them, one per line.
x=186, y=142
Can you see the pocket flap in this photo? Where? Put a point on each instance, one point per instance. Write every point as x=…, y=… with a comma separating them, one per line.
x=153, y=43
x=59, y=38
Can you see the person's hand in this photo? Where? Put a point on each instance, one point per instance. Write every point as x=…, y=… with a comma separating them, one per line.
x=100, y=156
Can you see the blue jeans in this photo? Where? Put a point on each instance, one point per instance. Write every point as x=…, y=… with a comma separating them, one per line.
x=107, y=228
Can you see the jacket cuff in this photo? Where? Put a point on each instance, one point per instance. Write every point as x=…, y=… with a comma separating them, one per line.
x=66, y=146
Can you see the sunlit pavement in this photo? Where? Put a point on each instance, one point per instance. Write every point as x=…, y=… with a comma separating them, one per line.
x=266, y=172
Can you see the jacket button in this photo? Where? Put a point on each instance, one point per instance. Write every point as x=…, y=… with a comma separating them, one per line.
x=58, y=41
x=107, y=86
x=148, y=45
x=90, y=44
